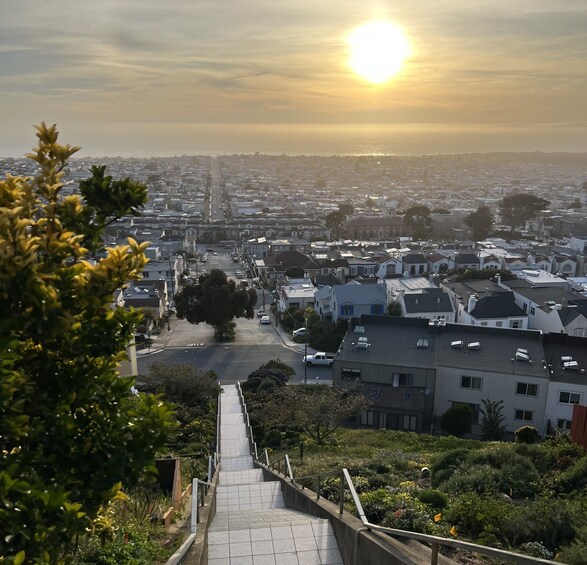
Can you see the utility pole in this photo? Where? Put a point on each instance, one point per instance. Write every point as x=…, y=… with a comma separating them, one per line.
x=306, y=352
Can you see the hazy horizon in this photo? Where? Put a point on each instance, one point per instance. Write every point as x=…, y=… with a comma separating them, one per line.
x=164, y=140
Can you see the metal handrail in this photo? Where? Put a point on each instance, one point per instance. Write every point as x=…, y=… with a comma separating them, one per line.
x=277, y=462
x=252, y=443
x=434, y=541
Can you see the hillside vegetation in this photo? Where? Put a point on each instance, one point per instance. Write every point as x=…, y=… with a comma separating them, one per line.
x=527, y=498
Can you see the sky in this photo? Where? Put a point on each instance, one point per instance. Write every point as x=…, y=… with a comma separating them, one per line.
x=146, y=77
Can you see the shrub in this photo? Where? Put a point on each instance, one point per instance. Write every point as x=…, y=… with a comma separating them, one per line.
x=481, y=479
x=446, y=463
x=457, y=420
x=433, y=498
x=574, y=477
x=526, y=434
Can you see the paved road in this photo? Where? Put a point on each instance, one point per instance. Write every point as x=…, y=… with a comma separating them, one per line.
x=255, y=343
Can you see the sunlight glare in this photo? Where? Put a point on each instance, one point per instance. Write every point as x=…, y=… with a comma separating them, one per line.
x=377, y=51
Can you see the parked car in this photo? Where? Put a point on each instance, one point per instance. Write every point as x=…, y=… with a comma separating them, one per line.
x=319, y=358
x=300, y=332
x=265, y=320
x=261, y=313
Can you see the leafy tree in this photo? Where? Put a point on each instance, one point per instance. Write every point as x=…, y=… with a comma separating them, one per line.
x=417, y=218
x=71, y=431
x=480, y=222
x=335, y=220
x=324, y=337
x=457, y=420
x=394, y=308
x=517, y=209
x=215, y=300
x=318, y=410
x=492, y=419
x=195, y=394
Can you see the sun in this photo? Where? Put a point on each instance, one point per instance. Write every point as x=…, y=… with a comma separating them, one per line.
x=377, y=51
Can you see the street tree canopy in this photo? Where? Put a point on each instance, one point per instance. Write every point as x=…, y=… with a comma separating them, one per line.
x=335, y=220
x=517, y=209
x=418, y=219
x=319, y=410
x=71, y=431
x=480, y=222
x=215, y=300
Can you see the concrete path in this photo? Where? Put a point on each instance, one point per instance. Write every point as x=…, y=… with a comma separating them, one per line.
x=252, y=525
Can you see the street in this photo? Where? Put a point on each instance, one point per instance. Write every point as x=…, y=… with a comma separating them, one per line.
x=255, y=343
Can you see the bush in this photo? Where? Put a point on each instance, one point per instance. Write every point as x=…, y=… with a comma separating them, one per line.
x=457, y=420
x=526, y=434
x=446, y=463
x=574, y=477
x=433, y=498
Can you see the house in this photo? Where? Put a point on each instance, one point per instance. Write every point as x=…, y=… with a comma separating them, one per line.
x=496, y=310
x=550, y=308
x=431, y=303
x=295, y=293
x=480, y=302
x=341, y=302
x=465, y=261
x=414, y=371
x=566, y=358
x=414, y=263
x=437, y=263
x=388, y=266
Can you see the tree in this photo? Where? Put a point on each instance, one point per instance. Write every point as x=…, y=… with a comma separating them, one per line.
x=417, y=218
x=517, y=209
x=334, y=220
x=480, y=222
x=295, y=273
x=195, y=394
x=492, y=419
x=318, y=410
x=457, y=420
x=394, y=308
x=215, y=300
x=71, y=430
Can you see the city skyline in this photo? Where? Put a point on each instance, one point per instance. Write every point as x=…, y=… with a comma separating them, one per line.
x=145, y=78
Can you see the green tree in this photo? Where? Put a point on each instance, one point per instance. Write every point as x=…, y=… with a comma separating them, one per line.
x=457, y=420
x=195, y=394
x=492, y=419
x=417, y=218
x=517, y=209
x=71, y=431
x=295, y=273
x=317, y=410
x=335, y=220
x=480, y=222
x=394, y=308
x=215, y=300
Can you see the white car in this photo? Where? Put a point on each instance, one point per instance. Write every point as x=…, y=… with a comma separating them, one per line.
x=265, y=320
x=300, y=332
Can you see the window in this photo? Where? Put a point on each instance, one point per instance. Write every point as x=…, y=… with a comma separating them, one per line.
x=563, y=425
x=527, y=389
x=524, y=415
x=409, y=422
x=474, y=383
x=349, y=374
x=402, y=379
x=374, y=394
x=407, y=396
x=578, y=332
x=569, y=397
x=376, y=309
x=498, y=324
x=532, y=311
x=367, y=418
x=347, y=310
x=514, y=323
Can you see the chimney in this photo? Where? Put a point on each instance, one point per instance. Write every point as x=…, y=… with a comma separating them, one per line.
x=472, y=303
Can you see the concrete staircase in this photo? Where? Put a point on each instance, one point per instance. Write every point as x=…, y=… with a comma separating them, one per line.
x=252, y=525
